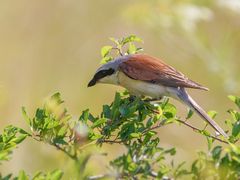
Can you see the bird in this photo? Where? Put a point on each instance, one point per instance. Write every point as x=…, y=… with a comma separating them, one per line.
x=145, y=75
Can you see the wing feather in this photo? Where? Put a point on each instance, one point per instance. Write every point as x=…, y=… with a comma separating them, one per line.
x=150, y=69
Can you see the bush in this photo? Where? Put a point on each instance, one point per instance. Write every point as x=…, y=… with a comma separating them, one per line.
x=132, y=123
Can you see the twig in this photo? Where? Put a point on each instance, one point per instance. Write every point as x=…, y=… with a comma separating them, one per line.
x=74, y=157
x=57, y=146
x=119, y=50
x=188, y=125
x=155, y=127
x=100, y=176
x=111, y=141
x=199, y=130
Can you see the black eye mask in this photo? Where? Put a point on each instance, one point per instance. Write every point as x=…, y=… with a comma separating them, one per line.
x=99, y=75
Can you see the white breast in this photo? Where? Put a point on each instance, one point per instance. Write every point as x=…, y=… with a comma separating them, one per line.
x=137, y=87
x=140, y=88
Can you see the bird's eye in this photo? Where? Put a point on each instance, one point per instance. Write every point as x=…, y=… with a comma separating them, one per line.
x=103, y=73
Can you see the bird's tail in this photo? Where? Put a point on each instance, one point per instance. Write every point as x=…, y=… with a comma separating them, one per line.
x=187, y=99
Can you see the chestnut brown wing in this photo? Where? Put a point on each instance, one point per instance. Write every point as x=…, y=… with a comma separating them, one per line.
x=150, y=69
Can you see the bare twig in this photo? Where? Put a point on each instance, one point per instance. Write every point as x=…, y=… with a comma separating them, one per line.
x=119, y=50
x=190, y=126
x=199, y=130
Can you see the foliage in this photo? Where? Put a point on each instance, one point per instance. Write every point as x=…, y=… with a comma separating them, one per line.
x=133, y=123
x=9, y=139
x=119, y=45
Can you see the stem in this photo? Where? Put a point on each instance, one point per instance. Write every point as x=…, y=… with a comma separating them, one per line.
x=74, y=157
x=188, y=125
x=119, y=50
x=199, y=130
x=112, y=141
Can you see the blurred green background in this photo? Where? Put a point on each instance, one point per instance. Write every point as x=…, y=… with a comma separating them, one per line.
x=49, y=46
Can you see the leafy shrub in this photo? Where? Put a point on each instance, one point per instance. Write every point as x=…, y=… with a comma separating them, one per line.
x=131, y=122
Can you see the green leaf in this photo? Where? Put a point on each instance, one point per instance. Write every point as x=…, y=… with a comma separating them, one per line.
x=171, y=151
x=131, y=38
x=236, y=129
x=132, y=49
x=56, y=175
x=20, y=138
x=190, y=113
x=99, y=122
x=210, y=142
x=57, y=98
x=62, y=131
x=106, y=111
x=115, y=106
x=84, y=116
x=139, y=49
x=40, y=114
x=235, y=99
x=148, y=136
x=135, y=135
x=106, y=59
x=114, y=40
x=105, y=50
x=22, y=176
x=169, y=111
x=216, y=152
x=7, y=177
x=37, y=175
x=235, y=115
x=26, y=117
x=212, y=114
x=4, y=155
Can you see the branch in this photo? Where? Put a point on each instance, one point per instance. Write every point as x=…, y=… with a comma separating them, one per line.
x=188, y=125
x=199, y=130
x=57, y=146
x=74, y=157
x=162, y=123
x=111, y=141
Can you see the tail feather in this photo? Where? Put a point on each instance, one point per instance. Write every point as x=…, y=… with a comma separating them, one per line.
x=187, y=99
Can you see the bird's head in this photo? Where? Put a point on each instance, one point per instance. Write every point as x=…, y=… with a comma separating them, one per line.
x=104, y=73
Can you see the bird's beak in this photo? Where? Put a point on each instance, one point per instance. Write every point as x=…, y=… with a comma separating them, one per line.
x=92, y=82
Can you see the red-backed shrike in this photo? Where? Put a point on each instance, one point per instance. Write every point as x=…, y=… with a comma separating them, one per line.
x=143, y=75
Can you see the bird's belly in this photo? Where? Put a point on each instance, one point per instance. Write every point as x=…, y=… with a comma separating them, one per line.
x=140, y=88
